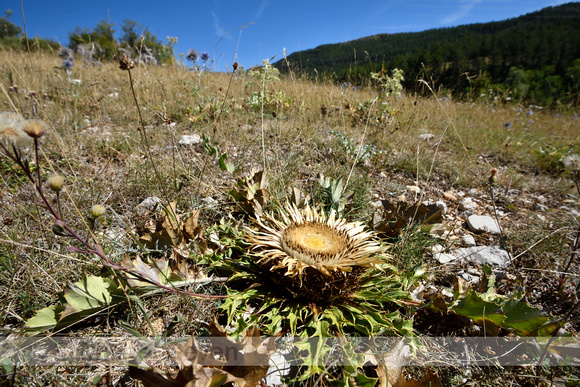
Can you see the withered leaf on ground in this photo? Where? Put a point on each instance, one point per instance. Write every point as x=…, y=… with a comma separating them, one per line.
x=199, y=368
x=251, y=192
x=395, y=216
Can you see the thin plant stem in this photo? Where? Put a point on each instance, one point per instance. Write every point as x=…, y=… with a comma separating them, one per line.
x=552, y=338
x=215, y=127
x=146, y=140
x=37, y=164
x=576, y=244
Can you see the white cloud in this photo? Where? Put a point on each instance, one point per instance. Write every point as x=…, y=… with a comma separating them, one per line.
x=463, y=9
x=219, y=31
x=262, y=8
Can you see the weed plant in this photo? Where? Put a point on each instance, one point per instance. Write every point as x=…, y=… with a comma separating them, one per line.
x=114, y=154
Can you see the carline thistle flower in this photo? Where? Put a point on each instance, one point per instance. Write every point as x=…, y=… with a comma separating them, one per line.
x=303, y=239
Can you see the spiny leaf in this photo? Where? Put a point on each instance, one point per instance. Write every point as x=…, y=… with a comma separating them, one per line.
x=482, y=312
x=523, y=319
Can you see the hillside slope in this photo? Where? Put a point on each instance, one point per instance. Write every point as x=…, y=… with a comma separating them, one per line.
x=537, y=54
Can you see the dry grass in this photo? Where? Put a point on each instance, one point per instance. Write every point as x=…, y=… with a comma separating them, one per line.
x=96, y=143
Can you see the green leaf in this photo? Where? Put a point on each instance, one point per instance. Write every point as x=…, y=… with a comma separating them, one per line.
x=225, y=165
x=44, y=319
x=482, y=312
x=523, y=319
x=90, y=292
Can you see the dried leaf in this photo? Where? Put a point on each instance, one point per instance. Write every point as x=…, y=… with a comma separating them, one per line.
x=251, y=193
x=430, y=379
x=398, y=215
x=201, y=368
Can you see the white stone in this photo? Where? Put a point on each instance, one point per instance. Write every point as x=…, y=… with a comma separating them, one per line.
x=483, y=255
x=147, y=205
x=444, y=257
x=190, y=139
x=414, y=189
x=467, y=204
x=114, y=95
x=483, y=224
x=468, y=241
x=278, y=370
x=473, y=279
x=426, y=136
x=438, y=248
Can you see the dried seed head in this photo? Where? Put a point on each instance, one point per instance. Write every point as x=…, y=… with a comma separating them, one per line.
x=56, y=182
x=98, y=210
x=572, y=162
x=34, y=128
x=11, y=130
x=126, y=63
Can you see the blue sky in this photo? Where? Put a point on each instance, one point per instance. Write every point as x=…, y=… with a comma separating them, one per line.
x=269, y=26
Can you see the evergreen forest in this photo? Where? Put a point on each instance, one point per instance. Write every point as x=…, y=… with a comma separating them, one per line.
x=534, y=57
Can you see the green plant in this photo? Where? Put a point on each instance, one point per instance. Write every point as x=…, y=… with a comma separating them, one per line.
x=551, y=159
x=314, y=276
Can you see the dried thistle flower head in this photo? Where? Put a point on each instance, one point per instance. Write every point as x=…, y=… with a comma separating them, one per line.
x=126, y=63
x=11, y=130
x=572, y=162
x=56, y=182
x=34, y=128
x=97, y=210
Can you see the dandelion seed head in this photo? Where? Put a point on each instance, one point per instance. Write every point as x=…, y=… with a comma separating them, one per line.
x=11, y=130
x=572, y=162
x=34, y=128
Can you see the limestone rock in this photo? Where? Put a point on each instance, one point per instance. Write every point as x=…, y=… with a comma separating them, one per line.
x=468, y=240
x=414, y=189
x=480, y=255
x=147, y=205
x=483, y=224
x=190, y=139
x=483, y=255
x=467, y=204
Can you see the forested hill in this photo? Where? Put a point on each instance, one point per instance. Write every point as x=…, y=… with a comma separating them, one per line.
x=535, y=56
